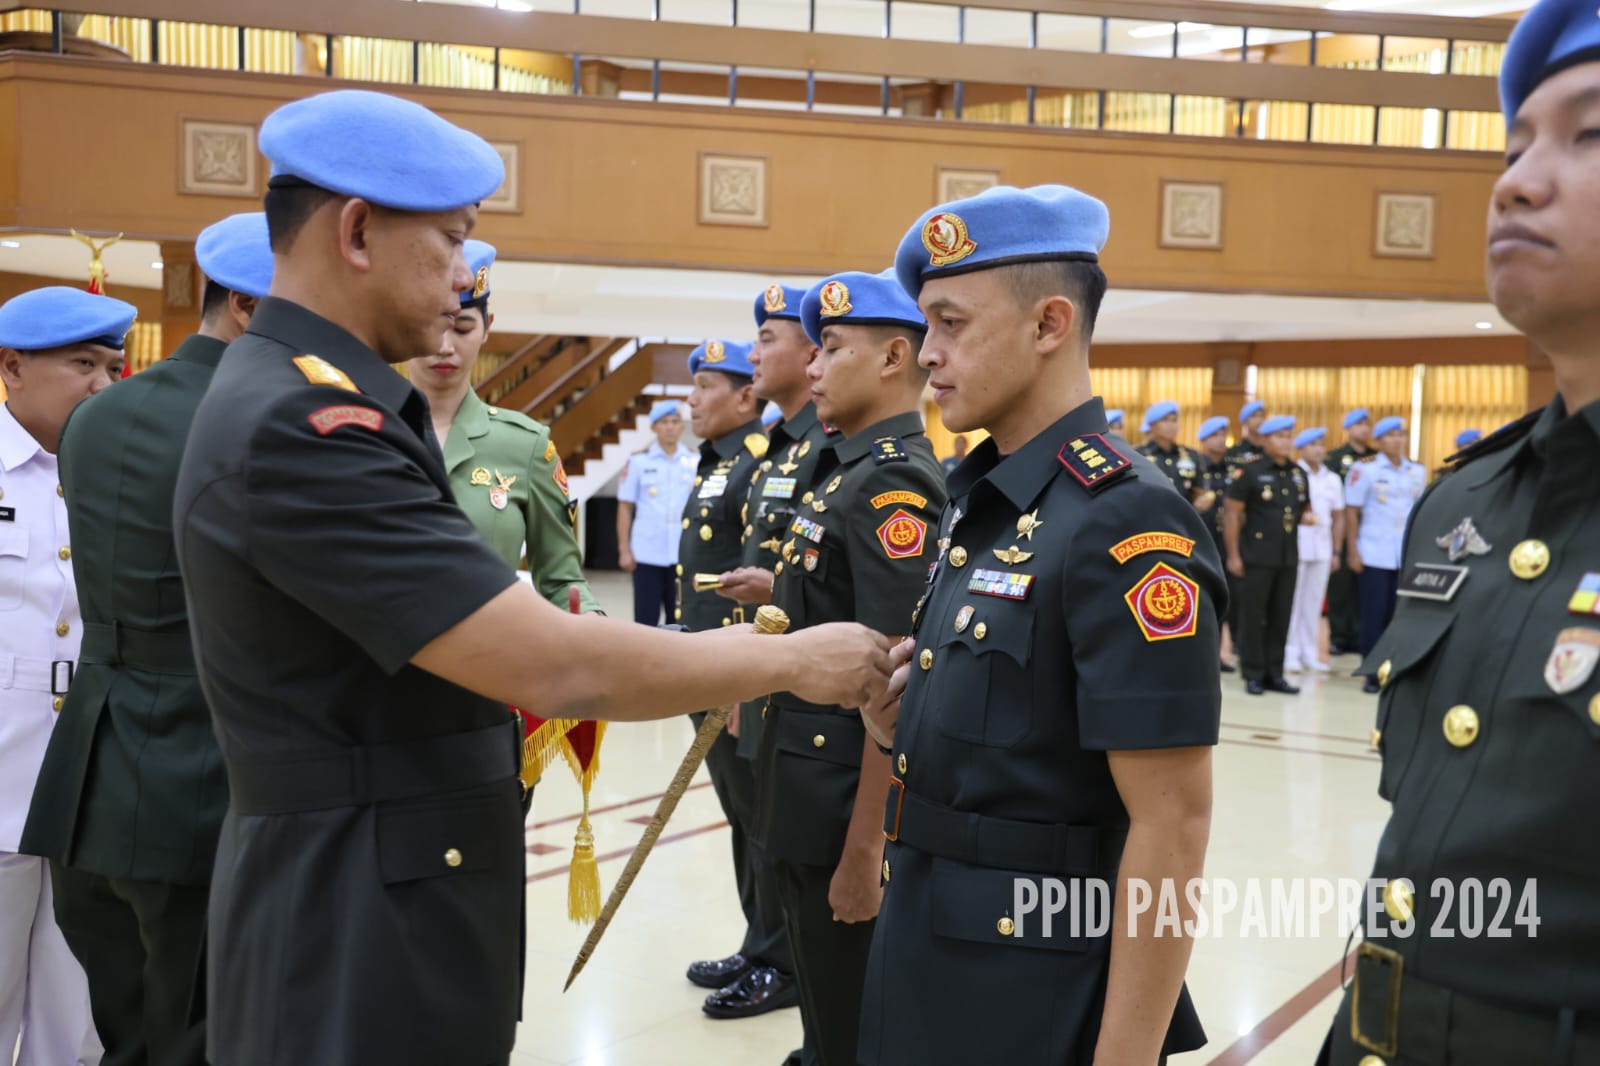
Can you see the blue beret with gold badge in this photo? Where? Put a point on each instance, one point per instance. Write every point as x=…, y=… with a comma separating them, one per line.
x=778, y=301
x=236, y=254
x=381, y=148
x=858, y=299
x=726, y=357
x=56, y=316
x=1276, y=424
x=1552, y=36
x=480, y=257
x=999, y=227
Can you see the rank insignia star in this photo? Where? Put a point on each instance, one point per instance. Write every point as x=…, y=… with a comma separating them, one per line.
x=1027, y=524
x=1012, y=555
x=1463, y=541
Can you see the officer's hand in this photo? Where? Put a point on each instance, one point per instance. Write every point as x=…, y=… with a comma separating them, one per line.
x=1236, y=566
x=1308, y=519
x=747, y=585
x=733, y=722
x=842, y=663
x=625, y=560
x=882, y=715
x=1334, y=565
x=1354, y=561
x=856, y=891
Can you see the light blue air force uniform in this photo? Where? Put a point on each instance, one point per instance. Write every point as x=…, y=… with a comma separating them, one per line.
x=1386, y=494
x=658, y=485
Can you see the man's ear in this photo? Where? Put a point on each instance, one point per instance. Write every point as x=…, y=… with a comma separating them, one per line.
x=356, y=220
x=11, y=369
x=1056, y=323
x=241, y=309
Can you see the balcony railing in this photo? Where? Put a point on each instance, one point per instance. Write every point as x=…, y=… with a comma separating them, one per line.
x=1138, y=66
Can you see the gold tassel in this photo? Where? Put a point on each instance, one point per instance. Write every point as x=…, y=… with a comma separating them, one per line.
x=539, y=748
x=583, y=882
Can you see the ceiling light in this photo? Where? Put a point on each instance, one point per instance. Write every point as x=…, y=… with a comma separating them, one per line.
x=1164, y=29
x=10, y=244
x=1485, y=325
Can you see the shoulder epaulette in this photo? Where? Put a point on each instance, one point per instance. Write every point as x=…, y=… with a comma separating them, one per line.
x=319, y=371
x=518, y=419
x=1093, y=461
x=1500, y=438
x=756, y=445
x=889, y=450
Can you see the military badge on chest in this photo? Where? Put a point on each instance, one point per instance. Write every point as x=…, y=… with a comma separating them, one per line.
x=1572, y=660
x=1463, y=541
x=500, y=493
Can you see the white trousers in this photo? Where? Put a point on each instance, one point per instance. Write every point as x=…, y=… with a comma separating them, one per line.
x=44, y=995
x=1305, y=621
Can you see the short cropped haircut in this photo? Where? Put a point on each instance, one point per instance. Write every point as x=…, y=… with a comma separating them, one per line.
x=1079, y=280
x=288, y=207
x=214, y=300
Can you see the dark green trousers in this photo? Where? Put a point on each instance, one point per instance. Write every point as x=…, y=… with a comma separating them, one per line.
x=1344, y=608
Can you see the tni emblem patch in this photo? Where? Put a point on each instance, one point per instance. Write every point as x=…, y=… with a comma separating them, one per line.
x=1165, y=603
x=903, y=535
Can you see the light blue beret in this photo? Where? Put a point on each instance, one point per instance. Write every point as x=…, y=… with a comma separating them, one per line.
x=858, y=299
x=1276, y=424
x=381, y=148
x=1355, y=417
x=1115, y=416
x=998, y=227
x=727, y=357
x=480, y=257
x=770, y=416
x=662, y=409
x=56, y=316
x=1388, y=425
x=236, y=254
x=1468, y=436
x=1160, y=410
x=1212, y=426
x=1310, y=436
x=778, y=301
x=1254, y=407
x=1552, y=36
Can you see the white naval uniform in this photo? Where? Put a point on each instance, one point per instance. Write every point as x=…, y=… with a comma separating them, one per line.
x=44, y=996
x=1326, y=491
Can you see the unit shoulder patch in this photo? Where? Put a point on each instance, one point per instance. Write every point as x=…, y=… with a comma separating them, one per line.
x=1165, y=604
x=888, y=499
x=903, y=535
x=1143, y=543
x=328, y=419
x=1093, y=461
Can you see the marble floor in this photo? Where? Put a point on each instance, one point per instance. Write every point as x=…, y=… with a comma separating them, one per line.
x=1296, y=796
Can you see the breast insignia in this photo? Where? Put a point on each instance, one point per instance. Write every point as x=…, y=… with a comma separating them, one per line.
x=756, y=445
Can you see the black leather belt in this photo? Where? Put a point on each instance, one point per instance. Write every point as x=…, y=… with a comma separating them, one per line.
x=115, y=644
x=358, y=776
x=999, y=843
x=1398, y=1014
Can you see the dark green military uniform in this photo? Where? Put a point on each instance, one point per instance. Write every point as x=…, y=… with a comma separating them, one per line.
x=1489, y=725
x=367, y=901
x=132, y=792
x=1074, y=610
x=712, y=543
x=1214, y=479
x=1242, y=453
x=1180, y=464
x=1274, y=497
x=1344, y=598
x=858, y=550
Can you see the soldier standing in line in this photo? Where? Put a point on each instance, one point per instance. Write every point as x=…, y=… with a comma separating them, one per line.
x=1344, y=598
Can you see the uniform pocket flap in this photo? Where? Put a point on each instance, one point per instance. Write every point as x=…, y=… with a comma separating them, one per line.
x=834, y=738
x=447, y=839
x=14, y=540
x=1415, y=631
x=990, y=906
x=986, y=627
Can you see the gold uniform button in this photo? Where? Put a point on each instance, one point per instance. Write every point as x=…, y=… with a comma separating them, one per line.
x=60, y=491
x=58, y=703
x=819, y=741
x=494, y=410
x=1371, y=1060
x=705, y=512
x=1383, y=672
x=981, y=630
x=697, y=481
x=900, y=764
x=1530, y=559
x=776, y=570
x=1398, y=900
x=679, y=568
x=62, y=629
x=727, y=621
x=705, y=533
x=1372, y=741
x=925, y=660
x=1461, y=726
x=677, y=614
x=452, y=858
x=885, y=871
x=749, y=530
x=1005, y=926
x=65, y=552
x=685, y=523
x=958, y=556
x=1594, y=709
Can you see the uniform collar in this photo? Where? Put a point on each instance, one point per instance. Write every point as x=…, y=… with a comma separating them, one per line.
x=794, y=429
x=17, y=445
x=659, y=452
x=309, y=333
x=471, y=422
x=200, y=350
x=1021, y=476
x=726, y=447
x=858, y=445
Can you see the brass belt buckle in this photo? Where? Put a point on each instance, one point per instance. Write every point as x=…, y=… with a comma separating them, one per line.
x=897, y=789
x=1389, y=1044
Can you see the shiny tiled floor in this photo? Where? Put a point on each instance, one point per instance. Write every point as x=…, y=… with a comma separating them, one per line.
x=1296, y=796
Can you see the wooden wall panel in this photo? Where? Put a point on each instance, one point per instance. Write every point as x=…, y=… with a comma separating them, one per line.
x=610, y=181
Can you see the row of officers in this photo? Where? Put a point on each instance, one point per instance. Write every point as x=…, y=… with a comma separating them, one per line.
x=352, y=639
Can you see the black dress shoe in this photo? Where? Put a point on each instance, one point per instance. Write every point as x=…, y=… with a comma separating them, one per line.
x=719, y=973
x=761, y=990
x=1278, y=684
x=1254, y=688
x=1371, y=686
x=1228, y=668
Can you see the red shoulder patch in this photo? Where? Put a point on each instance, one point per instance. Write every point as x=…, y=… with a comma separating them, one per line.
x=329, y=419
x=902, y=535
x=1093, y=460
x=1165, y=604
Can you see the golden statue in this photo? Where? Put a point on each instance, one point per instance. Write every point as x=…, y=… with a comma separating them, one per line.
x=97, y=267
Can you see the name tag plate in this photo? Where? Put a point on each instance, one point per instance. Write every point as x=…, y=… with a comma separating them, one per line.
x=1432, y=581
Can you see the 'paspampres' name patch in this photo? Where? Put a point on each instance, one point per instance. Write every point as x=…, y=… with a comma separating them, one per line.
x=1143, y=543
x=329, y=419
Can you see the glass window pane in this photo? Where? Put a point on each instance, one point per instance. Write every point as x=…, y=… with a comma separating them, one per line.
x=924, y=22
x=1276, y=120
x=1409, y=127
x=522, y=71
x=1477, y=58
x=1341, y=124
x=986, y=26
x=1415, y=55
x=1069, y=33
x=370, y=59
x=857, y=18
x=1205, y=116
x=1140, y=37
x=774, y=14
x=1481, y=131
x=271, y=51
x=195, y=44
x=1347, y=50
x=1214, y=42
x=1073, y=111
x=619, y=9
x=705, y=12
x=1138, y=112
x=995, y=103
